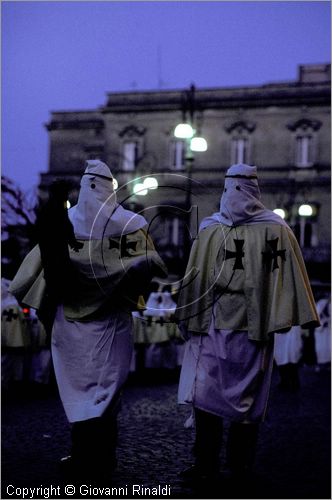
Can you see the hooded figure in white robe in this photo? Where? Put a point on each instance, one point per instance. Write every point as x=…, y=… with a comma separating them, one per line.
x=288, y=349
x=322, y=334
x=15, y=338
x=92, y=342
x=245, y=280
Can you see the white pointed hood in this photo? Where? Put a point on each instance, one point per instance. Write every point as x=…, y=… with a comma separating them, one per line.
x=240, y=202
x=97, y=213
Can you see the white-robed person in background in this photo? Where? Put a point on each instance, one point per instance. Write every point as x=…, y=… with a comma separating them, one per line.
x=322, y=334
x=245, y=280
x=92, y=342
x=288, y=351
x=15, y=339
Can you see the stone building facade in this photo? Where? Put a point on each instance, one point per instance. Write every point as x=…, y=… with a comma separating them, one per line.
x=283, y=128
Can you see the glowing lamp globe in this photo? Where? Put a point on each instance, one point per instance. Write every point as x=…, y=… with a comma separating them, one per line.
x=140, y=189
x=150, y=183
x=198, y=144
x=281, y=212
x=183, y=131
x=305, y=210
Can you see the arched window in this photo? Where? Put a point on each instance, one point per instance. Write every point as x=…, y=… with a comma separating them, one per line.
x=177, y=154
x=239, y=150
x=304, y=150
x=304, y=133
x=240, y=141
x=129, y=155
x=131, y=147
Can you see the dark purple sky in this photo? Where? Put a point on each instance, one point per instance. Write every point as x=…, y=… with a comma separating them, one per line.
x=67, y=55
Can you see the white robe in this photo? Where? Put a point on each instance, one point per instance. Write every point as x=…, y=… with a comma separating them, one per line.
x=91, y=362
x=92, y=358
x=227, y=374
x=288, y=346
x=323, y=332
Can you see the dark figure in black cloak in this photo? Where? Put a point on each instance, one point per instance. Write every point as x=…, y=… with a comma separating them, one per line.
x=55, y=234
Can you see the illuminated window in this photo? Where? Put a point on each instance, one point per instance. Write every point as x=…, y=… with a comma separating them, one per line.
x=177, y=154
x=132, y=147
x=240, y=132
x=169, y=230
x=304, y=151
x=174, y=232
x=130, y=150
x=305, y=132
x=239, y=150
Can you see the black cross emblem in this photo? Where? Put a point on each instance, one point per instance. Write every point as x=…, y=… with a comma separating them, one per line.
x=237, y=255
x=123, y=246
x=272, y=254
x=10, y=314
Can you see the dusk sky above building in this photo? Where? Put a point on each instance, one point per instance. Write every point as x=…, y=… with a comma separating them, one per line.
x=62, y=56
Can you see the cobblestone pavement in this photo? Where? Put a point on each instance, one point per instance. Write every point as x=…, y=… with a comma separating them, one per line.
x=293, y=458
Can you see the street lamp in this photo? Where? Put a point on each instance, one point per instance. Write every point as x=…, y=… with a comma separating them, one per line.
x=281, y=212
x=194, y=143
x=183, y=131
x=142, y=188
x=198, y=144
x=186, y=130
x=306, y=210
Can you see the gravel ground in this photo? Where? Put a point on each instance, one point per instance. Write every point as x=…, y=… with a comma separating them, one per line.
x=293, y=457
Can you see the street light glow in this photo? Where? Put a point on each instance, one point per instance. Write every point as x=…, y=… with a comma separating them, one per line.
x=281, y=212
x=140, y=189
x=183, y=131
x=305, y=210
x=115, y=184
x=68, y=204
x=198, y=144
x=150, y=183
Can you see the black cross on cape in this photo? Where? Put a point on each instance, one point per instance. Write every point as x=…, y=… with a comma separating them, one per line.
x=237, y=255
x=10, y=315
x=123, y=246
x=271, y=255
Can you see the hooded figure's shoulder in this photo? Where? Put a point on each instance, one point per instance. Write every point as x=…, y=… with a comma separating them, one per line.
x=212, y=231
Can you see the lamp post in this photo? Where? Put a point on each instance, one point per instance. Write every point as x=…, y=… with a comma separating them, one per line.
x=194, y=143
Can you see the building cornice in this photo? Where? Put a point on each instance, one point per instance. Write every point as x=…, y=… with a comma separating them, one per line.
x=293, y=94
x=66, y=123
x=275, y=94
